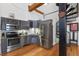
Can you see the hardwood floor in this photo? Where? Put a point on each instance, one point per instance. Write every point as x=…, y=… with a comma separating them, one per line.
x=72, y=50
x=35, y=50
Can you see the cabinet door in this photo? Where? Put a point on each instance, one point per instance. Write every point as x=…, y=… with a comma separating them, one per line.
x=9, y=21
x=27, y=40
x=0, y=23
x=3, y=23
x=31, y=24
x=3, y=43
x=38, y=23
x=19, y=24
x=35, y=40
x=22, y=25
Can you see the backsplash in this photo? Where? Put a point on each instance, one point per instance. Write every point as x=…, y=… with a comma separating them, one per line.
x=31, y=31
x=34, y=31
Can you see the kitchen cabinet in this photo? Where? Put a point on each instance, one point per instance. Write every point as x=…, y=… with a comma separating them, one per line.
x=34, y=23
x=35, y=39
x=3, y=27
x=22, y=40
x=3, y=43
x=27, y=40
x=31, y=39
x=0, y=23
x=38, y=23
x=30, y=23
x=24, y=25
x=13, y=22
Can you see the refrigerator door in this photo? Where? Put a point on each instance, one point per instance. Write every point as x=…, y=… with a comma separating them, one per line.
x=46, y=33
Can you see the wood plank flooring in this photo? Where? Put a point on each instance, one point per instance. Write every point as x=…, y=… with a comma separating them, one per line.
x=35, y=50
x=72, y=50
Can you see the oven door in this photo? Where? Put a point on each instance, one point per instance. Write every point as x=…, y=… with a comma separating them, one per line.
x=13, y=43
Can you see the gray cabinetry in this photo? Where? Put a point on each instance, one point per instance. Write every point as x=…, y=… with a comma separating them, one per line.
x=34, y=23
x=34, y=39
x=3, y=43
x=22, y=41
x=0, y=23
x=5, y=21
x=27, y=40
x=24, y=25
x=30, y=39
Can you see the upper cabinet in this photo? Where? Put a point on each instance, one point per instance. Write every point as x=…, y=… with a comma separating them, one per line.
x=9, y=22
x=24, y=24
x=30, y=23
x=34, y=23
x=19, y=23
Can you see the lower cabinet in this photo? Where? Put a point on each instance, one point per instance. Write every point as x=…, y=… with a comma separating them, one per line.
x=30, y=40
x=35, y=40
x=27, y=40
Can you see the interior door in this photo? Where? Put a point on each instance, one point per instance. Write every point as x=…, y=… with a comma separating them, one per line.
x=46, y=33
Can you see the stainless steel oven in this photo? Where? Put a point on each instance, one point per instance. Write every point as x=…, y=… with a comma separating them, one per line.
x=13, y=41
x=12, y=36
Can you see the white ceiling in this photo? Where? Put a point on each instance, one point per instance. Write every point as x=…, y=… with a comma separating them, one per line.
x=49, y=7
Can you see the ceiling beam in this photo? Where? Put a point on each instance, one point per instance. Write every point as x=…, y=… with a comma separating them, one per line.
x=34, y=6
x=38, y=11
